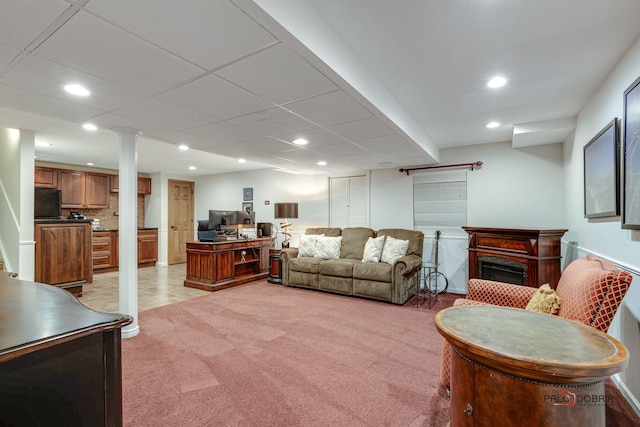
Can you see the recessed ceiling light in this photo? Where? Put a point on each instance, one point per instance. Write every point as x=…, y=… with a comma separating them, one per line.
x=183, y=147
x=192, y=168
x=78, y=90
x=497, y=82
x=90, y=127
x=300, y=141
x=492, y=125
x=242, y=160
x=322, y=163
x=89, y=163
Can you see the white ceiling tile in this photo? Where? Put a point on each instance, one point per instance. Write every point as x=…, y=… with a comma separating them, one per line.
x=164, y=115
x=90, y=45
x=111, y=120
x=215, y=97
x=6, y=55
x=273, y=122
x=282, y=76
x=207, y=33
x=192, y=141
x=338, y=150
x=316, y=137
x=362, y=129
x=330, y=108
x=28, y=101
x=267, y=145
x=299, y=154
x=22, y=21
x=340, y=167
x=224, y=132
x=47, y=78
x=390, y=142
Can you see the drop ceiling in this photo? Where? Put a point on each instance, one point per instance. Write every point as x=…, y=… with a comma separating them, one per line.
x=366, y=82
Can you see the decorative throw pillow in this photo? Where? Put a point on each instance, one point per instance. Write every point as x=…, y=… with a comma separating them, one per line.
x=307, y=245
x=545, y=300
x=373, y=249
x=328, y=247
x=393, y=249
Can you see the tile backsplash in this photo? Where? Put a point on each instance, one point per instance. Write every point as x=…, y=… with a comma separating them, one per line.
x=107, y=217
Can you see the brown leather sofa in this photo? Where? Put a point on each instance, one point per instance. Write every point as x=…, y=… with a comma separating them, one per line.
x=349, y=275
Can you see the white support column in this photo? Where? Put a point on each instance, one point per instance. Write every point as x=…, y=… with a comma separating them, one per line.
x=128, y=229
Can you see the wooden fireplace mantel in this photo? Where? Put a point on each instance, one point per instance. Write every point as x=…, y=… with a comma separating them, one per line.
x=529, y=256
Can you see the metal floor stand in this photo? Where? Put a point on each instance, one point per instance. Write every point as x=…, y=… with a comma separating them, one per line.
x=426, y=280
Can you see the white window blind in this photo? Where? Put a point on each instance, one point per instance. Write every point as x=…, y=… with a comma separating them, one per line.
x=440, y=202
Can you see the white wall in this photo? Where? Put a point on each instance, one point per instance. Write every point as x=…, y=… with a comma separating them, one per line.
x=531, y=196
x=16, y=201
x=26, y=263
x=9, y=197
x=605, y=236
x=224, y=192
x=514, y=188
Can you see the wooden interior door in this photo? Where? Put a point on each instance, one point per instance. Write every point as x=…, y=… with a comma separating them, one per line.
x=181, y=222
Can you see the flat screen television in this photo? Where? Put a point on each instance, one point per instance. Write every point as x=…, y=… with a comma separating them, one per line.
x=47, y=203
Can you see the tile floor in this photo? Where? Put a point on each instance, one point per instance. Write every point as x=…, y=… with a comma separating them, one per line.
x=156, y=286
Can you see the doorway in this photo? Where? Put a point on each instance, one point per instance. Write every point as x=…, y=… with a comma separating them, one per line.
x=180, y=219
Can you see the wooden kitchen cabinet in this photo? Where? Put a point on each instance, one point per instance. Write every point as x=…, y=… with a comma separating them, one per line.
x=63, y=254
x=144, y=184
x=147, y=247
x=88, y=190
x=45, y=177
x=105, y=249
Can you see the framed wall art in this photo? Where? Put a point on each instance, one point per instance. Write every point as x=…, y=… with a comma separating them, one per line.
x=602, y=173
x=247, y=194
x=247, y=207
x=631, y=157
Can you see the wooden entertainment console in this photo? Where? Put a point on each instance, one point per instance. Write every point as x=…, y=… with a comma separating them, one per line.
x=217, y=265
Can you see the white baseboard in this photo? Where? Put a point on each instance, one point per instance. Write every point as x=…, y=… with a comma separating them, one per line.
x=626, y=393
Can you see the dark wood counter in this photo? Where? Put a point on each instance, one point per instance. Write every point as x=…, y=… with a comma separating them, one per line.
x=218, y=265
x=63, y=253
x=60, y=362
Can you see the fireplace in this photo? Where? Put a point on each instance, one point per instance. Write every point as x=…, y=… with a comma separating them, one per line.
x=522, y=256
x=502, y=270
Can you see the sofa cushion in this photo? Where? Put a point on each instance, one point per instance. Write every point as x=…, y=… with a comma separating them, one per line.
x=307, y=245
x=373, y=249
x=415, y=238
x=328, y=247
x=305, y=265
x=353, y=241
x=337, y=267
x=331, y=232
x=393, y=249
x=376, y=271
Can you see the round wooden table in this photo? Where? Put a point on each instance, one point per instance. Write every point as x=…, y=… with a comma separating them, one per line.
x=515, y=367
